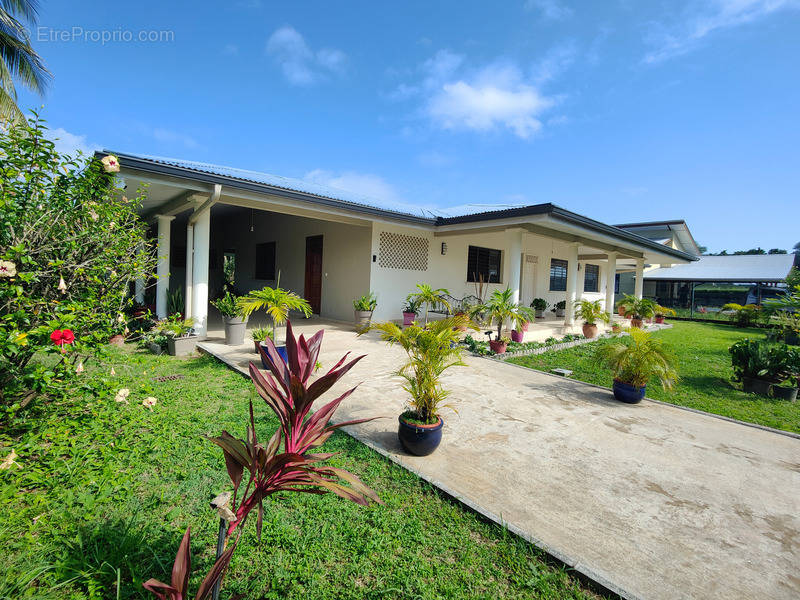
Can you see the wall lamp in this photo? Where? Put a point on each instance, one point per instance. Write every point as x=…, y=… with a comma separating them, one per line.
x=444, y=248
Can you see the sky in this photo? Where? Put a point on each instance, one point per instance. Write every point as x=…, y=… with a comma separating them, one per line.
x=624, y=110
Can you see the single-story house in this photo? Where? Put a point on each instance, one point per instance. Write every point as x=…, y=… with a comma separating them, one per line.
x=331, y=246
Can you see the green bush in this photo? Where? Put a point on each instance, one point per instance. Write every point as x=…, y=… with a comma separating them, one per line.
x=71, y=246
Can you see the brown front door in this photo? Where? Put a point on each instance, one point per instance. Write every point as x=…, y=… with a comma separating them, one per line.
x=313, y=293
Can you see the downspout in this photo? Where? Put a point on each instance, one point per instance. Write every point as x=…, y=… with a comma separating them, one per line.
x=212, y=200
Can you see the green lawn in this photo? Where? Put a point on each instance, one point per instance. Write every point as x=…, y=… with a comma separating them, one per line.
x=705, y=369
x=104, y=492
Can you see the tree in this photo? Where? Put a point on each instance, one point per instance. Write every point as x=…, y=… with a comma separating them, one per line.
x=758, y=250
x=18, y=59
x=776, y=251
x=702, y=249
x=796, y=248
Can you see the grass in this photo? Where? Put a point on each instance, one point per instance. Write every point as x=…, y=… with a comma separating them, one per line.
x=104, y=491
x=704, y=365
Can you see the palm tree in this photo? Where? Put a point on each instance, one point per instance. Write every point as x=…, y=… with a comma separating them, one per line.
x=429, y=297
x=500, y=307
x=276, y=301
x=18, y=59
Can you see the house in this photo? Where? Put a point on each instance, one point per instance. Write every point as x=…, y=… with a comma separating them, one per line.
x=332, y=246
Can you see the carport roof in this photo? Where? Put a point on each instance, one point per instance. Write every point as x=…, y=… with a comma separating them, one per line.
x=331, y=196
x=745, y=268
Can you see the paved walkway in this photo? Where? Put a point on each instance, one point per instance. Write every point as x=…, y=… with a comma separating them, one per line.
x=650, y=500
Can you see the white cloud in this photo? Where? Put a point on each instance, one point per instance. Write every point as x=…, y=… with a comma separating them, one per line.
x=552, y=10
x=713, y=15
x=70, y=143
x=491, y=98
x=299, y=63
x=364, y=184
x=557, y=60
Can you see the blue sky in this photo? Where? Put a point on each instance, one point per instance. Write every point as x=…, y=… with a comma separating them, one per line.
x=620, y=110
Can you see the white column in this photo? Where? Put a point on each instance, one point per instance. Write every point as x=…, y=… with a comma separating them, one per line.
x=201, y=241
x=639, y=282
x=572, y=284
x=611, y=272
x=514, y=262
x=187, y=299
x=139, y=290
x=162, y=267
x=581, y=281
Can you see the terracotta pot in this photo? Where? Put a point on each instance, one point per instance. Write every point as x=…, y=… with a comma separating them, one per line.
x=117, y=340
x=498, y=346
x=637, y=323
x=517, y=336
x=660, y=320
x=589, y=330
x=621, y=311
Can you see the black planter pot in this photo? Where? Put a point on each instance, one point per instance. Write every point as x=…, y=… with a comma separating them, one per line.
x=752, y=385
x=420, y=440
x=784, y=393
x=630, y=394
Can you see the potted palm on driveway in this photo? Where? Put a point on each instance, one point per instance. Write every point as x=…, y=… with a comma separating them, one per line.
x=277, y=303
x=633, y=361
x=590, y=312
x=432, y=349
x=500, y=307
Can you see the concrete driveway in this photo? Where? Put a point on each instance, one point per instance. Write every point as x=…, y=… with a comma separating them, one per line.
x=649, y=500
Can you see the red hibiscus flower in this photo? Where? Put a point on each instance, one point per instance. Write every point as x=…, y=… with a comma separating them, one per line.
x=62, y=336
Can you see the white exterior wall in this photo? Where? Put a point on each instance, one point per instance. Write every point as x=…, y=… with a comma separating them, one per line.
x=450, y=271
x=345, y=255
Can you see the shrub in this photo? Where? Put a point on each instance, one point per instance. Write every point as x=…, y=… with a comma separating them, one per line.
x=742, y=316
x=71, y=246
x=756, y=359
x=227, y=305
x=367, y=302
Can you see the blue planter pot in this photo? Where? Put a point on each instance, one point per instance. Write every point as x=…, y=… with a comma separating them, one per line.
x=281, y=351
x=628, y=393
x=420, y=440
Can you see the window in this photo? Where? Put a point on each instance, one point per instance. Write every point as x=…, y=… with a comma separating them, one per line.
x=265, y=260
x=558, y=275
x=616, y=283
x=483, y=263
x=177, y=257
x=591, y=278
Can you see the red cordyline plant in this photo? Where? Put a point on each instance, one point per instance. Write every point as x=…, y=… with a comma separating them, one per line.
x=289, y=394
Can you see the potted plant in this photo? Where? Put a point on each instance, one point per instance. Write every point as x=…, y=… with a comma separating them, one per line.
x=539, y=305
x=432, y=349
x=623, y=303
x=180, y=339
x=560, y=308
x=661, y=312
x=363, y=308
x=633, y=361
x=235, y=321
x=521, y=317
x=590, y=312
x=784, y=367
x=155, y=340
x=277, y=303
x=410, y=311
x=639, y=309
x=500, y=307
x=754, y=365
x=260, y=334
x=430, y=297
x=500, y=345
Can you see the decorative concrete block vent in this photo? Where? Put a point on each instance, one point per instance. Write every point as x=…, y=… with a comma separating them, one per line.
x=398, y=251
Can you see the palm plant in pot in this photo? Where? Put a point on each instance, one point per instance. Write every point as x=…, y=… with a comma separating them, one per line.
x=500, y=307
x=590, y=312
x=430, y=297
x=539, y=305
x=634, y=360
x=522, y=316
x=622, y=304
x=277, y=303
x=363, y=308
x=410, y=311
x=235, y=321
x=432, y=349
x=639, y=309
x=661, y=312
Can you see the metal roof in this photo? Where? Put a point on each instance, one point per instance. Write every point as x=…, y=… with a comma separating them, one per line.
x=332, y=196
x=745, y=268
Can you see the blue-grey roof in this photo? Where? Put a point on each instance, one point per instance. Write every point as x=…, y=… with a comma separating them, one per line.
x=745, y=268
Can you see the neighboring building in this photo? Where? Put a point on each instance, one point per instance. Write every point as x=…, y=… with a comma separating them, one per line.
x=331, y=246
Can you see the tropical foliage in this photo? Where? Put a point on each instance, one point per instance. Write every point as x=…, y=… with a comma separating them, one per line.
x=71, y=246
x=757, y=359
x=500, y=307
x=366, y=303
x=639, y=308
x=228, y=305
x=18, y=60
x=432, y=349
x=261, y=333
x=276, y=301
x=591, y=312
x=742, y=315
x=288, y=462
x=637, y=358
x=430, y=297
